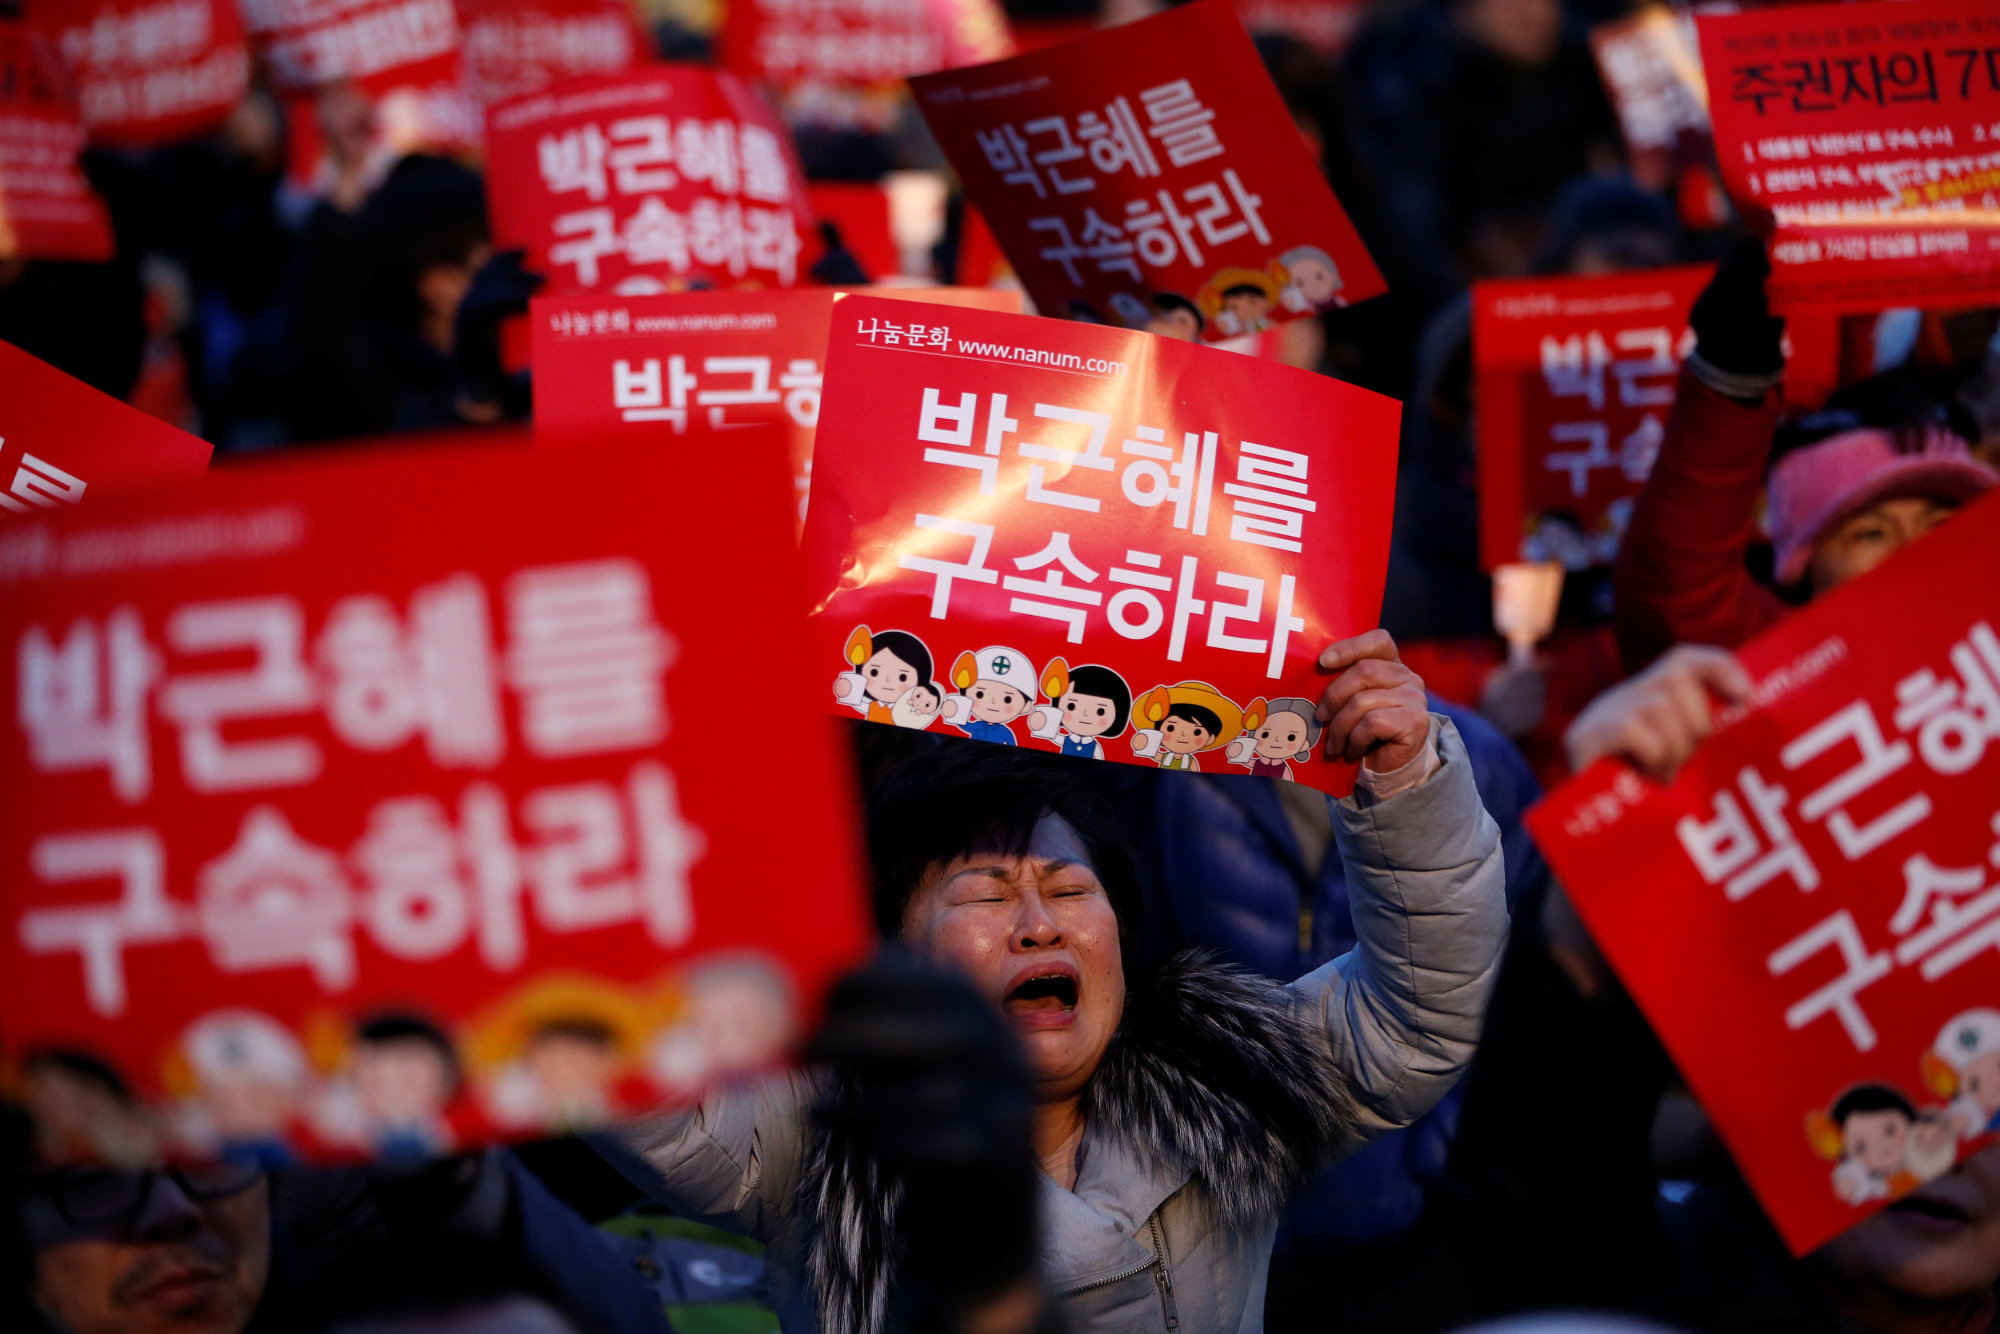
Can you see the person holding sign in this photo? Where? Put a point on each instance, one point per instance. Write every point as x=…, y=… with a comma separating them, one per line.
x=1174, y=1111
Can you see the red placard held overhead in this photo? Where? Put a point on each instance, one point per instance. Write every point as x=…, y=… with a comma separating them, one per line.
x=1867, y=139
x=1121, y=546
x=697, y=363
x=514, y=47
x=1154, y=159
x=58, y=436
x=1810, y=914
x=647, y=181
x=148, y=72
x=47, y=207
x=1573, y=380
x=314, y=757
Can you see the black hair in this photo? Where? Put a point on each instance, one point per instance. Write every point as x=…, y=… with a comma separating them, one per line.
x=1206, y=719
x=1092, y=679
x=1167, y=303
x=592, y=1031
x=1892, y=401
x=404, y=1027
x=905, y=646
x=1871, y=1098
x=1245, y=289
x=931, y=686
x=80, y=1065
x=960, y=798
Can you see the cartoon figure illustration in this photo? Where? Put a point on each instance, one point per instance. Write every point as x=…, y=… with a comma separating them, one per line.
x=1181, y=721
x=1132, y=312
x=1312, y=280
x=1881, y=1146
x=84, y=1111
x=918, y=709
x=403, y=1077
x=884, y=669
x=559, y=1055
x=996, y=685
x=1963, y=1065
x=248, y=1076
x=1276, y=735
x=1086, y=704
x=737, y=1015
x=1174, y=316
x=1239, y=301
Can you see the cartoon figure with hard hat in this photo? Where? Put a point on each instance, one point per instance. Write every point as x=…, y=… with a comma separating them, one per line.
x=1181, y=721
x=885, y=670
x=249, y=1078
x=1881, y=1146
x=1086, y=705
x=995, y=686
x=1276, y=735
x=1964, y=1066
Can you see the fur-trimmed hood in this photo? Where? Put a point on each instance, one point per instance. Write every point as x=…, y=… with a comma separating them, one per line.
x=1215, y=1077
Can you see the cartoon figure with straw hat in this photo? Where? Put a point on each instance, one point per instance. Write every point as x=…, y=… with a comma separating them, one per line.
x=1181, y=721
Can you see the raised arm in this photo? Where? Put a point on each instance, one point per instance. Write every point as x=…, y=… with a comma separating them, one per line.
x=1402, y=1011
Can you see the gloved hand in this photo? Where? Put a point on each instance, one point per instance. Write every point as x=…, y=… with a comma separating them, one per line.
x=499, y=291
x=1734, y=329
x=934, y=1087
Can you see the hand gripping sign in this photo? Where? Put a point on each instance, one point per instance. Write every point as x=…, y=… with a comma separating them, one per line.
x=342, y=820
x=697, y=364
x=58, y=436
x=1110, y=544
x=48, y=209
x=1573, y=380
x=1810, y=914
x=148, y=72
x=1866, y=138
x=649, y=181
x=1148, y=168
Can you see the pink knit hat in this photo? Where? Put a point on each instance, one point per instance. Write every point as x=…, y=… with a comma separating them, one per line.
x=1816, y=489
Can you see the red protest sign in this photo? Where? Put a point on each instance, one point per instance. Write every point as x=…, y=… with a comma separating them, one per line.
x=1810, y=914
x=310, y=759
x=647, y=181
x=1573, y=380
x=1121, y=546
x=148, y=72
x=696, y=363
x=1151, y=159
x=1866, y=138
x=514, y=47
x=59, y=436
x=1651, y=65
x=843, y=62
x=47, y=207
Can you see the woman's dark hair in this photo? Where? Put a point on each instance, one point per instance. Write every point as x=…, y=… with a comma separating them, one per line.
x=965, y=797
x=1206, y=719
x=905, y=646
x=1104, y=683
x=400, y=1027
x=1892, y=401
x=1871, y=1098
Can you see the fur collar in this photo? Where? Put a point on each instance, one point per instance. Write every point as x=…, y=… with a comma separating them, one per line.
x=1215, y=1073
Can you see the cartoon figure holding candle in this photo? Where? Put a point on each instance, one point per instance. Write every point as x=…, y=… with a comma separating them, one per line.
x=1881, y=1146
x=1276, y=735
x=995, y=686
x=1312, y=280
x=1963, y=1065
x=1086, y=705
x=1180, y=722
x=885, y=669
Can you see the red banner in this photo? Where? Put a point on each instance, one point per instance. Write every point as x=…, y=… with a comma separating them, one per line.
x=148, y=72
x=1574, y=378
x=47, y=207
x=697, y=363
x=843, y=62
x=1151, y=160
x=313, y=779
x=1325, y=25
x=1867, y=139
x=513, y=47
x=1810, y=914
x=59, y=436
x=1108, y=543
x=651, y=181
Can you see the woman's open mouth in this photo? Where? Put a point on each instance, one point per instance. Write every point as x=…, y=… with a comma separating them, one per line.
x=1043, y=999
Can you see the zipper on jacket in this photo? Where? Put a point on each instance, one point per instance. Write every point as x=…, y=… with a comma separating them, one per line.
x=1163, y=1277
x=1118, y=1276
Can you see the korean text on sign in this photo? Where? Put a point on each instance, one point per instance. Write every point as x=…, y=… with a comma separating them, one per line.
x=1153, y=161
x=647, y=182
x=1810, y=913
x=1867, y=138
x=1574, y=381
x=1061, y=518
x=450, y=780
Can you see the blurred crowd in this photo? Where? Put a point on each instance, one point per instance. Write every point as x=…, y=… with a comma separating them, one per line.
x=1563, y=1167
